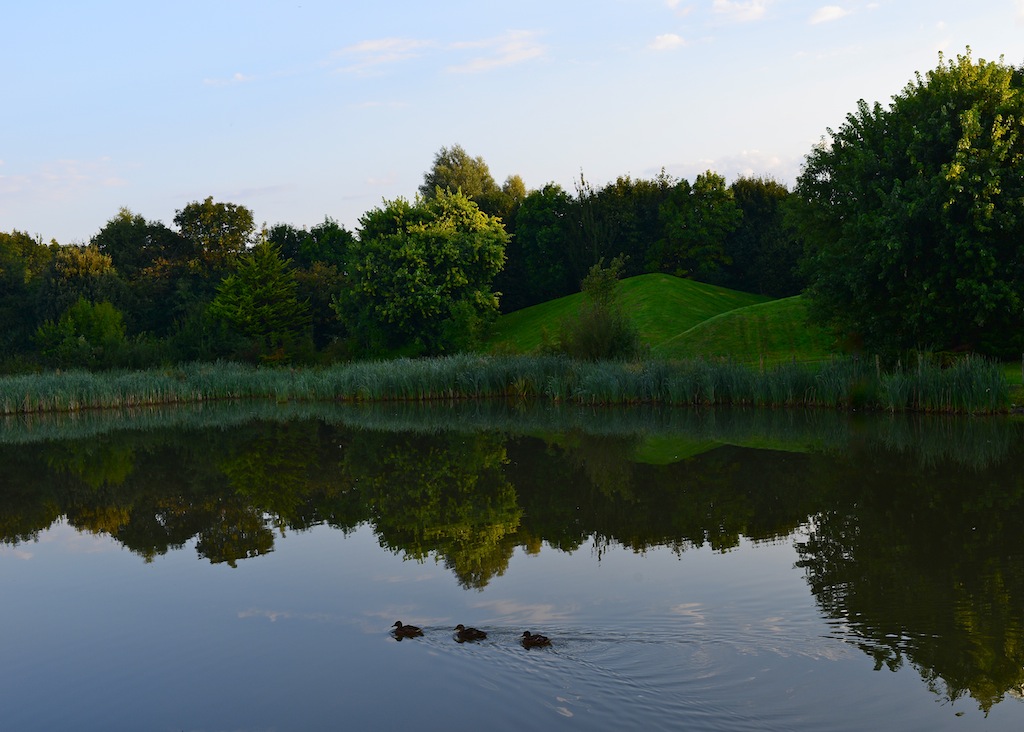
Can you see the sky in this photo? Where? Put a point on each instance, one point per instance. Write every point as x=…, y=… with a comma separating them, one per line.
x=311, y=109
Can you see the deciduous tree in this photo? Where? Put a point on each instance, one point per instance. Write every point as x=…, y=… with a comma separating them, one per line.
x=696, y=219
x=422, y=273
x=913, y=214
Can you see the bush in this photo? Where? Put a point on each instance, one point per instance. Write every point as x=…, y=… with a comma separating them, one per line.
x=601, y=329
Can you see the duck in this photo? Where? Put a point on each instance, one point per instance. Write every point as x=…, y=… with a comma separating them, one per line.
x=405, y=631
x=463, y=634
x=532, y=640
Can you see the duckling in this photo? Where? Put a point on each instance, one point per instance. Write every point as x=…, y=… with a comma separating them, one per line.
x=405, y=631
x=463, y=634
x=531, y=640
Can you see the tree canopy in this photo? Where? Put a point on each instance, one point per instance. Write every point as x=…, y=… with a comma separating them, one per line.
x=422, y=273
x=913, y=214
x=259, y=300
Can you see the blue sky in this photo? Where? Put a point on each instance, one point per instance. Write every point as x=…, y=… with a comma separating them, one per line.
x=307, y=109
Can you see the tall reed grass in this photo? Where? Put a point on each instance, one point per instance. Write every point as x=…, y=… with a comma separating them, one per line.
x=971, y=385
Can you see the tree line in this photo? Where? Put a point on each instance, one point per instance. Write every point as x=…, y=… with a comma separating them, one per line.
x=421, y=276
x=905, y=230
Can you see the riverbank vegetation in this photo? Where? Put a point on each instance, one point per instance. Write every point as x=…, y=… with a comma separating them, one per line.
x=882, y=252
x=971, y=385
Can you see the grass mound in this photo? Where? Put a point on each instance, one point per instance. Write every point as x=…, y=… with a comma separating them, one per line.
x=773, y=331
x=662, y=306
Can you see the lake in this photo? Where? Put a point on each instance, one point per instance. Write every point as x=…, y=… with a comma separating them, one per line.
x=239, y=567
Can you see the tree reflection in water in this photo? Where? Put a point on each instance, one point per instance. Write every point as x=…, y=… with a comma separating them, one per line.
x=908, y=530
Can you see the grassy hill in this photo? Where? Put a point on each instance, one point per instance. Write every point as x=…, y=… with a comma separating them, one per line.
x=661, y=305
x=775, y=330
x=681, y=318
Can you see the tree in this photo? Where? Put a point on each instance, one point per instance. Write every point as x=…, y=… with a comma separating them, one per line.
x=913, y=215
x=696, y=219
x=538, y=267
x=149, y=257
x=87, y=335
x=76, y=272
x=218, y=232
x=631, y=209
x=327, y=242
x=601, y=329
x=421, y=274
x=454, y=170
x=259, y=301
x=763, y=252
x=22, y=261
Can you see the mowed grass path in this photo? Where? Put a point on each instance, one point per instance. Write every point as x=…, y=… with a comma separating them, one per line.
x=679, y=318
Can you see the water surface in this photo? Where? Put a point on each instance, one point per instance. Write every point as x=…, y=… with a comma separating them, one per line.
x=239, y=569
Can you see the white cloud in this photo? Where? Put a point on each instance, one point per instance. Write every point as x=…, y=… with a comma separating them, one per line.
x=746, y=163
x=382, y=51
x=674, y=6
x=827, y=14
x=236, y=78
x=741, y=10
x=666, y=42
x=1020, y=12
x=60, y=179
x=512, y=48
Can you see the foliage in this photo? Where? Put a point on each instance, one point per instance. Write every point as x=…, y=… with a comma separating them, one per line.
x=538, y=267
x=325, y=243
x=87, y=335
x=422, y=271
x=696, y=220
x=913, y=215
x=973, y=385
x=455, y=171
x=217, y=232
x=73, y=273
x=145, y=255
x=631, y=209
x=22, y=260
x=762, y=254
x=259, y=301
x=601, y=329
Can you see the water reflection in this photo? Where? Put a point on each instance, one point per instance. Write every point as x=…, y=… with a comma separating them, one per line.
x=908, y=529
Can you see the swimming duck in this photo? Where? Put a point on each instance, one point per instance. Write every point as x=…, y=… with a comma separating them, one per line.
x=463, y=634
x=405, y=631
x=531, y=640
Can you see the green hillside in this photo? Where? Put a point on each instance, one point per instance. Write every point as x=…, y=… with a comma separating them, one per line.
x=775, y=330
x=681, y=318
x=662, y=306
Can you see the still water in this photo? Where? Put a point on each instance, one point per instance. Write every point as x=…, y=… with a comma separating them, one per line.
x=238, y=568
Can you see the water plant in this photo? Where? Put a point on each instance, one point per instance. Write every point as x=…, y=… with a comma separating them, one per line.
x=969, y=385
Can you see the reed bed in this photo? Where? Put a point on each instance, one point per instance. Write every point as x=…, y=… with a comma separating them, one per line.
x=971, y=385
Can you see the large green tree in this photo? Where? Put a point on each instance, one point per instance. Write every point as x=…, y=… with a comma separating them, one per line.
x=76, y=272
x=763, y=252
x=421, y=274
x=913, y=214
x=538, y=267
x=22, y=260
x=456, y=170
x=259, y=301
x=696, y=220
x=218, y=232
x=150, y=258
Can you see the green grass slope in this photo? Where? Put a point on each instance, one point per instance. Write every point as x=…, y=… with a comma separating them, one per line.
x=775, y=330
x=661, y=305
